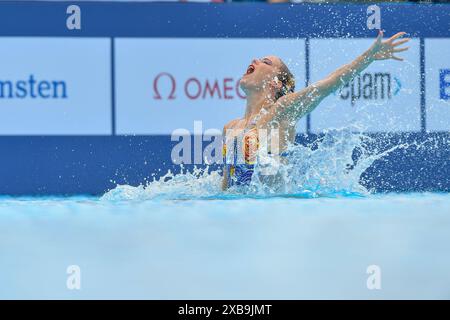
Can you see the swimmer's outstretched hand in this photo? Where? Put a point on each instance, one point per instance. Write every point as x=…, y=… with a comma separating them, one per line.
x=382, y=50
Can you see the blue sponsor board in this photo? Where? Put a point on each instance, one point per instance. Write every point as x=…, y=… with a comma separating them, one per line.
x=437, y=70
x=167, y=84
x=385, y=97
x=55, y=86
x=73, y=100
x=444, y=84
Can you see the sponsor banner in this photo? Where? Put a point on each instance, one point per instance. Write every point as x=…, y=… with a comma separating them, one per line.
x=437, y=79
x=166, y=84
x=383, y=97
x=55, y=86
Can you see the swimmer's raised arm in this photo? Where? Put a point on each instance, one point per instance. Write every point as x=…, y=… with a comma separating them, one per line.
x=295, y=105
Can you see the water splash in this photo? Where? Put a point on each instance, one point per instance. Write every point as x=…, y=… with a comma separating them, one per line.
x=329, y=166
x=198, y=183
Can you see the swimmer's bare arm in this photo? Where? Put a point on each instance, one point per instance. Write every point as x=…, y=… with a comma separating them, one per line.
x=296, y=105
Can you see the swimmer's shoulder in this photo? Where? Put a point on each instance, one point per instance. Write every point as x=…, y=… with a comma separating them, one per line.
x=232, y=124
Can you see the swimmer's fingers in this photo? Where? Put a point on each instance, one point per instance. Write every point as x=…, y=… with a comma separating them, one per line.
x=400, y=42
x=395, y=36
x=400, y=49
x=397, y=58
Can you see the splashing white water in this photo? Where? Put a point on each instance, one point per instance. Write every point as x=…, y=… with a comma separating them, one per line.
x=326, y=167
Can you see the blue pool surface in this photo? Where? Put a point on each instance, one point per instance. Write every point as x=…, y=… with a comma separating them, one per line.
x=226, y=247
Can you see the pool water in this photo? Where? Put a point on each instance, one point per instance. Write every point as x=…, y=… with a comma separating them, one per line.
x=281, y=247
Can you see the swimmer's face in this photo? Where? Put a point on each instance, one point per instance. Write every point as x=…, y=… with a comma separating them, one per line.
x=261, y=74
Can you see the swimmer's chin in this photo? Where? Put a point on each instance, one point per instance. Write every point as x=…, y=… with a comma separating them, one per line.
x=244, y=83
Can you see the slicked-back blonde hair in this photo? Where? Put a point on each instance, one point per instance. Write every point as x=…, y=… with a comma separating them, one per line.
x=287, y=80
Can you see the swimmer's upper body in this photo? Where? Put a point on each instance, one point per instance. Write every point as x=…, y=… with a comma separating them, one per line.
x=272, y=103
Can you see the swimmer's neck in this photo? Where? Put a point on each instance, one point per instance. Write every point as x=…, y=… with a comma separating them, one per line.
x=255, y=102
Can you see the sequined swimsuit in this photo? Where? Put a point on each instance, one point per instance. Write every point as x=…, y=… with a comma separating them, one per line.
x=240, y=158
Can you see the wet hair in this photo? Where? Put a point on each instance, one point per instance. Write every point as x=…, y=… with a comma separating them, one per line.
x=287, y=80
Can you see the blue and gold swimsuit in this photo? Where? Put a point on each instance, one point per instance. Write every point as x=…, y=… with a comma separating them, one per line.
x=240, y=158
